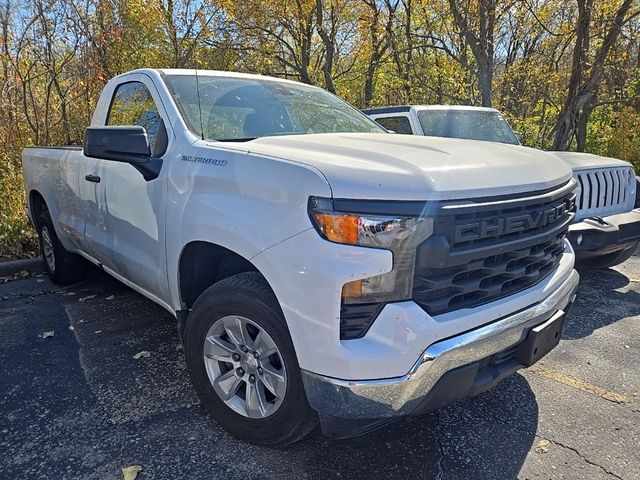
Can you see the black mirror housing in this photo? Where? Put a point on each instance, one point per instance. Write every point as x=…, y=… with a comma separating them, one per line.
x=121, y=144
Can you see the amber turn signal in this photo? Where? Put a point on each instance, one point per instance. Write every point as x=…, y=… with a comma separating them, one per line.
x=339, y=228
x=352, y=290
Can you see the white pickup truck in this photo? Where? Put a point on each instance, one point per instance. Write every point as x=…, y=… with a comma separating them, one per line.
x=319, y=267
x=606, y=230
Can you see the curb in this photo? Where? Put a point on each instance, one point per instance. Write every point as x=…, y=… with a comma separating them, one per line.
x=31, y=265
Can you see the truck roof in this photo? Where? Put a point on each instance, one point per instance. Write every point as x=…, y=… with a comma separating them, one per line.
x=406, y=108
x=211, y=73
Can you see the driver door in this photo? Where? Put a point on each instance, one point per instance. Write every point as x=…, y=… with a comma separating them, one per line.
x=134, y=208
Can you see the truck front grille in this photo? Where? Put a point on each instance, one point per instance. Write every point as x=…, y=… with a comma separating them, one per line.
x=483, y=251
x=604, y=191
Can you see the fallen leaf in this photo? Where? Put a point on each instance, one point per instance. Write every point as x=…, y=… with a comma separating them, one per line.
x=142, y=354
x=89, y=297
x=178, y=347
x=542, y=446
x=47, y=334
x=110, y=297
x=72, y=328
x=627, y=346
x=130, y=473
x=98, y=331
x=24, y=273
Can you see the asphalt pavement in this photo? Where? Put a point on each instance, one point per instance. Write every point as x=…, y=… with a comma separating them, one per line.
x=77, y=404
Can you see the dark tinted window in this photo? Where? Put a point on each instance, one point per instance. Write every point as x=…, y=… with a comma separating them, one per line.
x=133, y=104
x=397, y=124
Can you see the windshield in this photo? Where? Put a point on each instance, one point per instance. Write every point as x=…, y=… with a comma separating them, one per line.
x=241, y=109
x=468, y=124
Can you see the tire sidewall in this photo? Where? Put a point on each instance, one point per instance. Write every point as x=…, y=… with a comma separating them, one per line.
x=220, y=301
x=45, y=221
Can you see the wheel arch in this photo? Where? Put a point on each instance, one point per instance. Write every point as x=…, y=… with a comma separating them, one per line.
x=202, y=264
x=37, y=204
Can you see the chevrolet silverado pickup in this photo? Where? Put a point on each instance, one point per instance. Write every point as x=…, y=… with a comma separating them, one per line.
x=606, y=230
x=320, y=269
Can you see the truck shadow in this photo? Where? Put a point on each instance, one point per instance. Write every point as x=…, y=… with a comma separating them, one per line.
x=488, y=436
x=602, y=299
x=144, y=406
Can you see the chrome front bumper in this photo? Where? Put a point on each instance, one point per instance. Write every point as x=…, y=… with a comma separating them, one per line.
x=392, y=397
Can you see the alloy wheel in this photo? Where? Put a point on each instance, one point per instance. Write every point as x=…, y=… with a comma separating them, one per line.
x=47, y=247
x=245, y=367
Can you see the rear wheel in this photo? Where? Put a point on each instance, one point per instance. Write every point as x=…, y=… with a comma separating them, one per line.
x=243, y=364
x=62, y=266
x=610, y=259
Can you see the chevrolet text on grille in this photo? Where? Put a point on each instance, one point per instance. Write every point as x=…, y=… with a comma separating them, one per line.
x=496, y=227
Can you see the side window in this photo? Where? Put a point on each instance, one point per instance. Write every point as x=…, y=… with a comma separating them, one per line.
x=398, y=124
x=132, y=104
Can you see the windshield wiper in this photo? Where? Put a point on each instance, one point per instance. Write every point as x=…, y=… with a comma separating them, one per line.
x=238, y=139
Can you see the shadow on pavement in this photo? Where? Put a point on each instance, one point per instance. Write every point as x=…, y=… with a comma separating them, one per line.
x=601, y=300
x=485, y=437
x=78, y=405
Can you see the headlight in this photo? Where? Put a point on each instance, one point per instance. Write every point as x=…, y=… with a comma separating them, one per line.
x=398, y=233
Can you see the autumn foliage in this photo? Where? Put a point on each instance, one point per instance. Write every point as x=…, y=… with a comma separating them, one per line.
x=566, y=73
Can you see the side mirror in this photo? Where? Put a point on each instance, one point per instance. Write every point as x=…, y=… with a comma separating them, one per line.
x=123, y=144
x=120, y=144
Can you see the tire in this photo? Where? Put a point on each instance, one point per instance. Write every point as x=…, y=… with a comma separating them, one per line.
x=246, y=298
x=610, y=259
x=62, y=266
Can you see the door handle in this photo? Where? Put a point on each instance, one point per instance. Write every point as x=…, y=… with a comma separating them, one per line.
x=92, y=178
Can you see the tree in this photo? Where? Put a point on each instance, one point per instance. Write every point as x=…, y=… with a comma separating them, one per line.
x=279, y=30
x=478, y=29
x=377, y=25
x=586, y=75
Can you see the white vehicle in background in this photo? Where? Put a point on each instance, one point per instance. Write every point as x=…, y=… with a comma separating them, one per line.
x=606, y=231
x=318, y=266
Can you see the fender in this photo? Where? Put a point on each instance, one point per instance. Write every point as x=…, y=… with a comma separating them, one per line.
x=233, y=203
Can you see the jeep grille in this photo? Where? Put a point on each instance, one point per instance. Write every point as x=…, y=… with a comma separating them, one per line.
x=605, y=191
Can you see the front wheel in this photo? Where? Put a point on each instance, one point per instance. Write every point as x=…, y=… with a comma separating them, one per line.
x=243, y=364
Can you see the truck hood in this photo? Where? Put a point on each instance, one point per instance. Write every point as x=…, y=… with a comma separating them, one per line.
x=406, y=167
x=582, y=161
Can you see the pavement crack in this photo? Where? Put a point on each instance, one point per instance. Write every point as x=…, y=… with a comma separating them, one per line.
x=590, y=462
x=560, y=444
x=440, y=462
